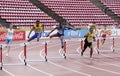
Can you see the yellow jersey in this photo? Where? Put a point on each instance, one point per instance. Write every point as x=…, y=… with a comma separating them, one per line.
x=90, y=37
x=38, y=28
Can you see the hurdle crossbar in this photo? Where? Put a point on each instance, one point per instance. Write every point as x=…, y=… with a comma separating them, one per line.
x=62, y=55
x=45, y=57
x=25, y=54
x=112, y=48
x=1, y=63
x=11, y=64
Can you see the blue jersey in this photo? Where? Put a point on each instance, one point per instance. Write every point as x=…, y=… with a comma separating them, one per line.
x=60, y=30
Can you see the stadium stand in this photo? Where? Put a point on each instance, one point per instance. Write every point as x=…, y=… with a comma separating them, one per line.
x=114, y=5
x=23, y=13
x=77, y=12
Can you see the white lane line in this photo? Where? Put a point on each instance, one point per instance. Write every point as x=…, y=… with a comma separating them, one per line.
x=8, y=72
x=32, y=66
x=69, y=69
x=11, y=74
x=109, y=63
x=65, y=67
x=98, y=68
x=39, y=70
x=20, y=54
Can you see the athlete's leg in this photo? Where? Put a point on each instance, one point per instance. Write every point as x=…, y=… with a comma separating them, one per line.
x=8, y=42
x=62, y=41
x=102, y=41
x=54, y=35
x=38, y=36
x=91, y=51
x=85, y=46
x=33, y=37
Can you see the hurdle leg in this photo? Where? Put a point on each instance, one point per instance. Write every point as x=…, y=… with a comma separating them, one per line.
x=64, y=49
x=113, y=44
x=98, y=46
x=81, y=45
x=45, y=51
x=1, y=63
x=25, y=54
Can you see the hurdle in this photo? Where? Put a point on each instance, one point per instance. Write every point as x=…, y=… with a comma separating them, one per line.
x=3, y=64
x=81, y=44
x=25, y=55
x=64, y=49
x=97, y=48
x=78, y=50
x=113, y=42
x=62, y=52
x=43, y=58
x=46, y=51
x=114, y=46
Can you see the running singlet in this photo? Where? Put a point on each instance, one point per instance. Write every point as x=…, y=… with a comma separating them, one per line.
x=38, y=29
x=90, y=37
x=10, y=34
x=61, y=30
x=104, y=34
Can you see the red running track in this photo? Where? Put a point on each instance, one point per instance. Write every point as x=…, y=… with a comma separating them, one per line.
x=104, y=64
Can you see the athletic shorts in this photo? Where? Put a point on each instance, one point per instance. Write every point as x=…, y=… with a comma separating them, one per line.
x=59, y=35
x=35, y=36
x=103, y=36
x=87, y=44
x=8, y=41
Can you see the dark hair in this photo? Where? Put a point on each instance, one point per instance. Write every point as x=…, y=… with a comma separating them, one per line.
x=37, y=21
x=93, y=22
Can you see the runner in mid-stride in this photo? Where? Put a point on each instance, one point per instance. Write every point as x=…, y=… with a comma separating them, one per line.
x=38, y=29
x=89, y=38
x=60, y=32
x=103, y=34
x=9, y=38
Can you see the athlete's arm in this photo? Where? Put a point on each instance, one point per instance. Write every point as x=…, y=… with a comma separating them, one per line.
x=30, y=32
x=86, y=35
x=51, y=31
x=71, y=27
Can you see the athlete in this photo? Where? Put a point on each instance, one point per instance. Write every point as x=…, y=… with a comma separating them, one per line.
x=60, y=32
x=9, y=38
x=89, y=38
x=103, y=34
x=38, y=29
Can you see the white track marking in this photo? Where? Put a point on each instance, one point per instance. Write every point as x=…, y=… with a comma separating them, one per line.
x=69, y=69
x=98, y=68
x=109, y=63
x=66, y=67
x=32, y=66
x=8, y=72
x=11, y=74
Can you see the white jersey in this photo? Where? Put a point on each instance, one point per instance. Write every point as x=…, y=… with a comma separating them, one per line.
x=9, y=33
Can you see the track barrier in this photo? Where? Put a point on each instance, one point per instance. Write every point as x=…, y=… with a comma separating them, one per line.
x=112, y=45
x=1, y=58
x=1, y=63
x=62, y=52
x=45, y=54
